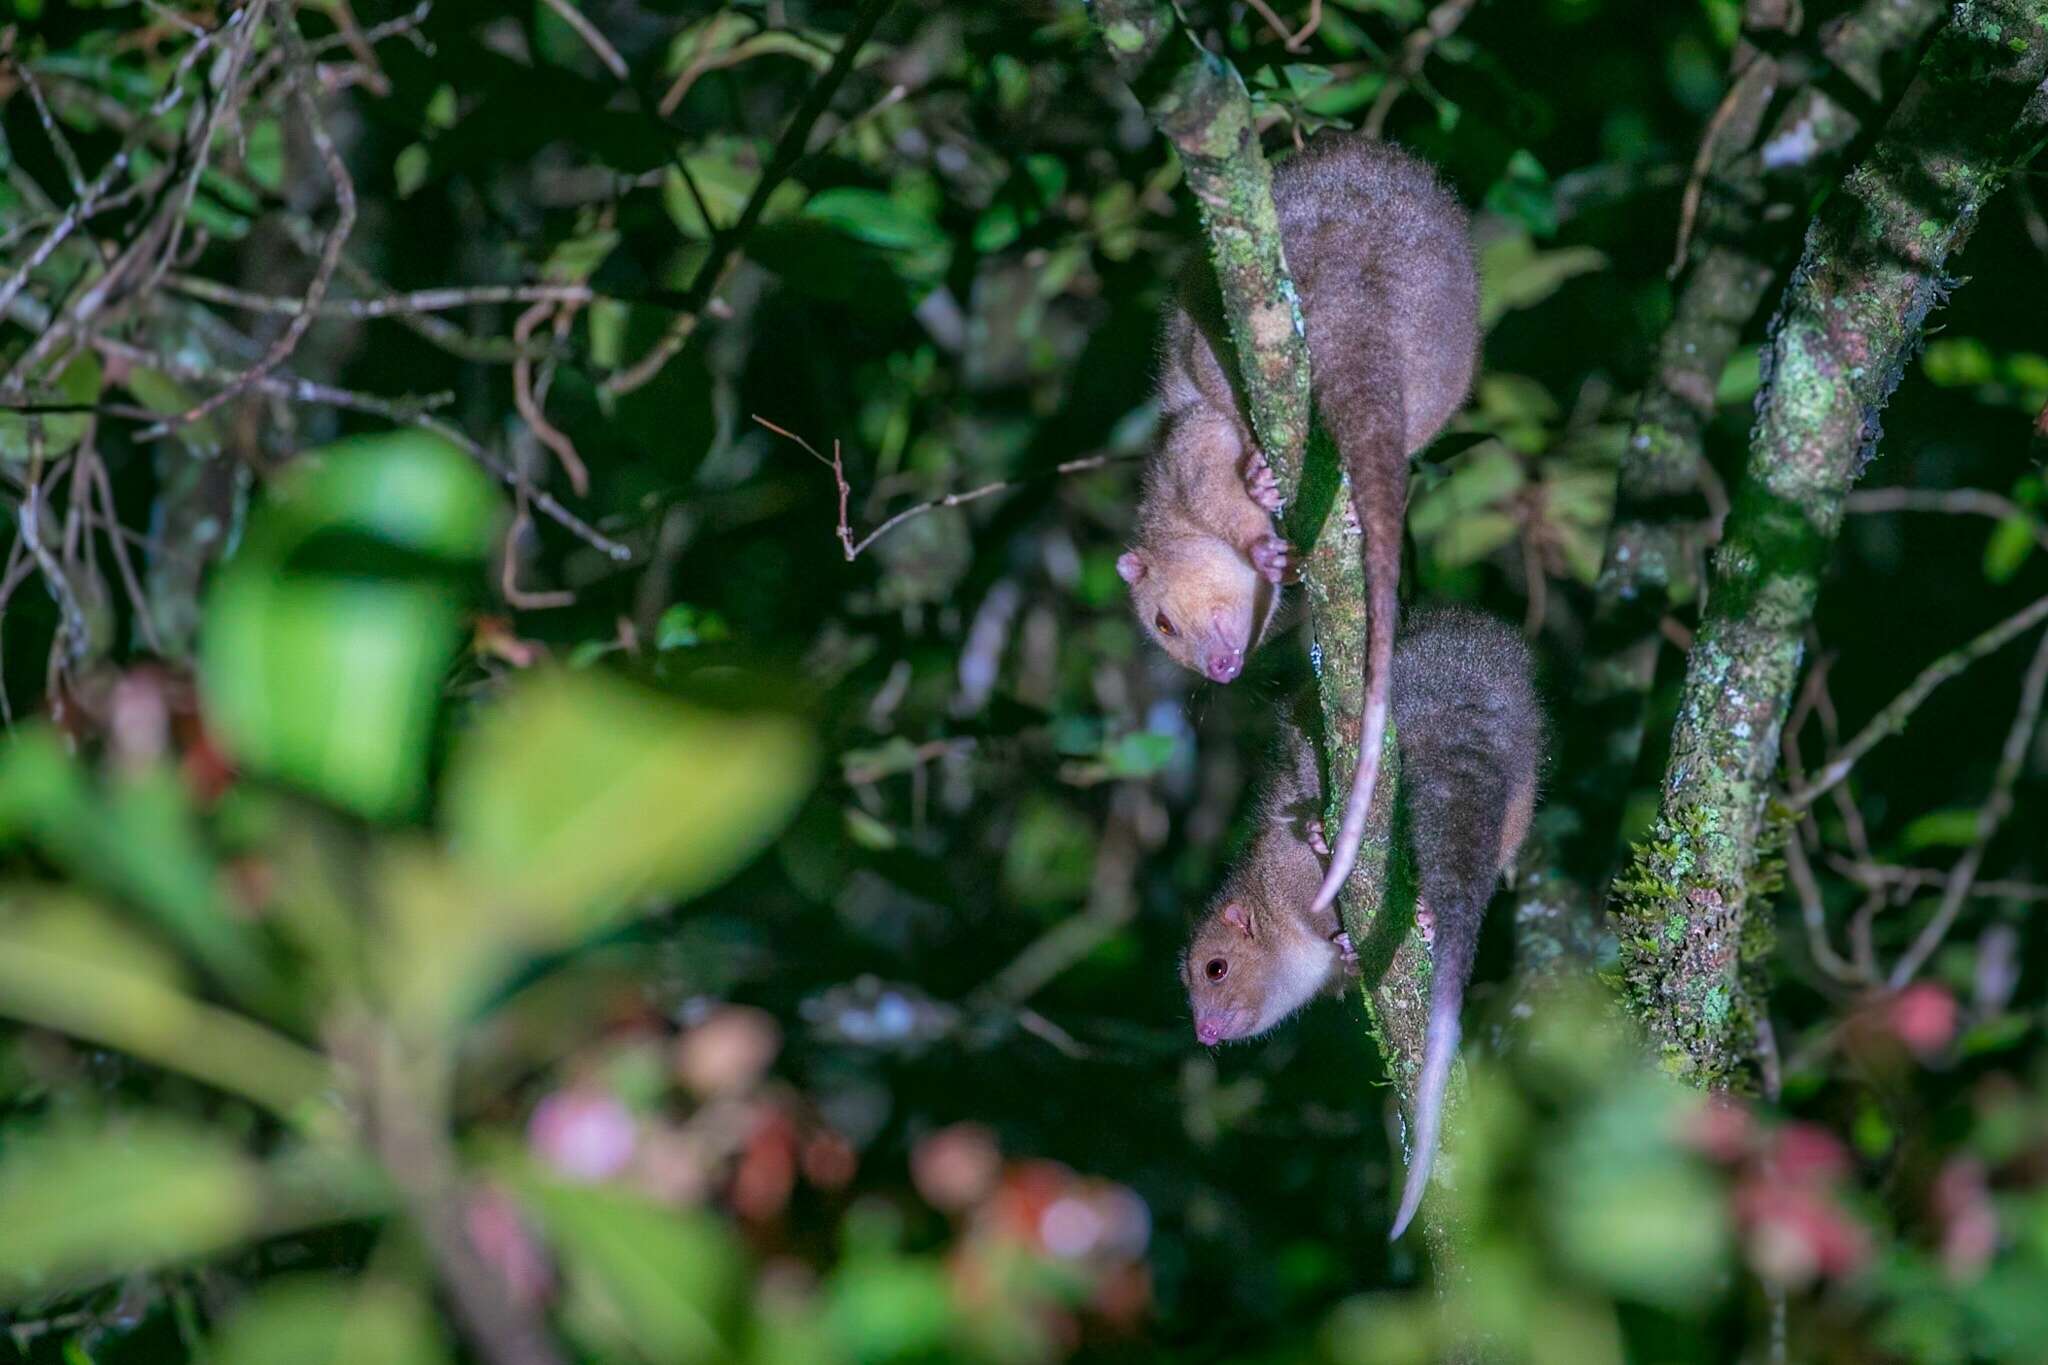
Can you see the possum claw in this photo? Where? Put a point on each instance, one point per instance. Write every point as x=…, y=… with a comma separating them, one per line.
x=1347, y=952
x=1274, y=559
x=1317, y=844
x=1351, y=526
x=1262, y=484
x=1425, y=923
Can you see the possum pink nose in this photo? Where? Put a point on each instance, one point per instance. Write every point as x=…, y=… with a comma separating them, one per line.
x=1225, y=665
x=1209, y=1031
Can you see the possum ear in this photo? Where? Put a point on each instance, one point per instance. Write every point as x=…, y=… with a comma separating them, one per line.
x=1130, y=566
x=1236, y=915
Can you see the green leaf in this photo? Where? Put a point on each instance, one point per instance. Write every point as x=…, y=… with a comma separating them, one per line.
x=330, y=686
x=645, y=1282
x=23, y=435
x=159, y=392
x=1514, y=275
x=321, y=1321
x=80, y=1205
x=580, y=793
x=1632, y=1211
x=2010, y=545
x=137, y=839
x=1955, y=827
x=329, y=679
x=881, y=1308
x=917, y=248
x=684, y=626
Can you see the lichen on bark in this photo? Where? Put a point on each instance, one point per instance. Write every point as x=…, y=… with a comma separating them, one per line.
x=1873, y=266
x=1199, y=104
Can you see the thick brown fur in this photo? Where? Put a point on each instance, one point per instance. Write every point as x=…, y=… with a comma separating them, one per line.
x=1472, y=738
x=1381, y=256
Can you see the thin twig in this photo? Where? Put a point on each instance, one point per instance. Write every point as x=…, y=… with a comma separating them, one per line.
x=529, y=405
x=414, y=412
x=1759, y=65
x=1957, y=501
x=592, y=39
x=388, y=305
x=1297, y=40
x=145, y=620
x=1893, y=717
x=1904, y=881
x=330, y=255
x=73, y=172
x=726, y=247
x=1813, y=911
x=201, y=140
x=1438, y=25
x=1990, y=817
x=853, y=549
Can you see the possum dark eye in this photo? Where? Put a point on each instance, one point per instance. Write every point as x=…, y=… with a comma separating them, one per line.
x=1165, y=626
x=1217, y=969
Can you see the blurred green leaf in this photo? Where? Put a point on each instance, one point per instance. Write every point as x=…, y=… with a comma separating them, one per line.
x=1955, y=827
x=330, y=686
x=644, y=1283
x=24, y=435
x=329, y=677
x=2010, y=545
x=881, y=1308
x=331, y=1322
x=917, y=248
x=1633, y=1211
x=136, y=838
x=1514, y=275
x=80, y=1205
x=579, y=793
x=684, y=626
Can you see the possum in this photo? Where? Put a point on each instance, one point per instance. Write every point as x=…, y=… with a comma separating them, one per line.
x=1381, y=256
x=1471, y=734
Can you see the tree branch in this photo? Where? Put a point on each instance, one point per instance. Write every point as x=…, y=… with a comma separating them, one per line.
x=1743, y=176
x=1874, y=266
x=1199, y=105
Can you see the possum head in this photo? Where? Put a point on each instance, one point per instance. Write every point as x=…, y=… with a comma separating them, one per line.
x=1201, y=600
x=1246, y=971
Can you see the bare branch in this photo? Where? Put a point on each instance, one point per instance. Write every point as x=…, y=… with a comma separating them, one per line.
x=588, y=32
x=726, y=246
x=1990, y=817
x=1439, y=24
x=1893, y=717
x=330, y=256
x=853, y=549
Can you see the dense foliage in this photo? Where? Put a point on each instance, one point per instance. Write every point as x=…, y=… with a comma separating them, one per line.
x=581, y=784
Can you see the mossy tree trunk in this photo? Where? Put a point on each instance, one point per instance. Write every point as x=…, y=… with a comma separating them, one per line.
x=1758, y=179
x=1199, y=104
x=1853, y=312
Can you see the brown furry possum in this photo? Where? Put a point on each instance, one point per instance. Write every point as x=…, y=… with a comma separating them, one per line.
x=1471, y=735
x=1381, y=255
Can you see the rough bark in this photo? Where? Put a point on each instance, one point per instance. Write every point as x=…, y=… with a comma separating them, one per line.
x=1199, y=104
x=1759, y=180
x=1854, y=309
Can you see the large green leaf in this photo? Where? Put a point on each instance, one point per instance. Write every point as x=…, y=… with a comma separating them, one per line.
x=77, y=1205
x=580, y=793
x=644, y=1283
x=328, y=636
x=331, y=1322
x=330, y=686
x=136, y=839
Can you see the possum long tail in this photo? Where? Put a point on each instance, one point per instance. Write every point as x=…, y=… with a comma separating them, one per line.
x=1369, y=426
x=1439, y=1050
